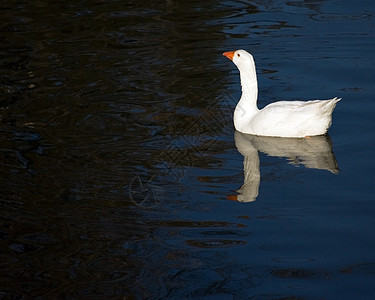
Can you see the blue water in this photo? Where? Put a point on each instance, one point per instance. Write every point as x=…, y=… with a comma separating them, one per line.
x=119, y=162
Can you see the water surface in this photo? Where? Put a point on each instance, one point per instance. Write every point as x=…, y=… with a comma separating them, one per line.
x=119, y=160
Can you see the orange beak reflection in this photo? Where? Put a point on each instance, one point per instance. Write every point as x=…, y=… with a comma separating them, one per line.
x=229, y=54
x=232, y=197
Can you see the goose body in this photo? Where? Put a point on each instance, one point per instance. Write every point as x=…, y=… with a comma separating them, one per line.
x=282, y=118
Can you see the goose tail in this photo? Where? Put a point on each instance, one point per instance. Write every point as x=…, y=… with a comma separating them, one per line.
x=330, y=105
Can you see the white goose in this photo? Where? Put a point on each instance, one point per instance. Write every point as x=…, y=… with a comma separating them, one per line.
x=283, y=118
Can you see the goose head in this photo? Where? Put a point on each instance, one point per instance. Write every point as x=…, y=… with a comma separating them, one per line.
x=241, y=58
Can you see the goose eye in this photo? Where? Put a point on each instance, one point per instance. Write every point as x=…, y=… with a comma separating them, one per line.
x=238, y=55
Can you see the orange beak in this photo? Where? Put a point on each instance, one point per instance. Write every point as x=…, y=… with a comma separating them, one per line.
x=229, y=54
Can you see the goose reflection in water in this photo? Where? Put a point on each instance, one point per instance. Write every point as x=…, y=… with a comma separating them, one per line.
x=313, y=152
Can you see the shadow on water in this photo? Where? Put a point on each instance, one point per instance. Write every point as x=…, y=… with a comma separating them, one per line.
x=313, y=152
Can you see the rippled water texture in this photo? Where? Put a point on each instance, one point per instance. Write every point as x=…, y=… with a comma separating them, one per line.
x=121, y=175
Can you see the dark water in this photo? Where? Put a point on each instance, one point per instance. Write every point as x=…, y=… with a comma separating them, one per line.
x=118, y=154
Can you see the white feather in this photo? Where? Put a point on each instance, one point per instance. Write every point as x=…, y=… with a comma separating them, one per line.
x=283, y=118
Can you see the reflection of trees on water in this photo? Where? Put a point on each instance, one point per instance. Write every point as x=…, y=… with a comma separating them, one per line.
x=94, y=93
